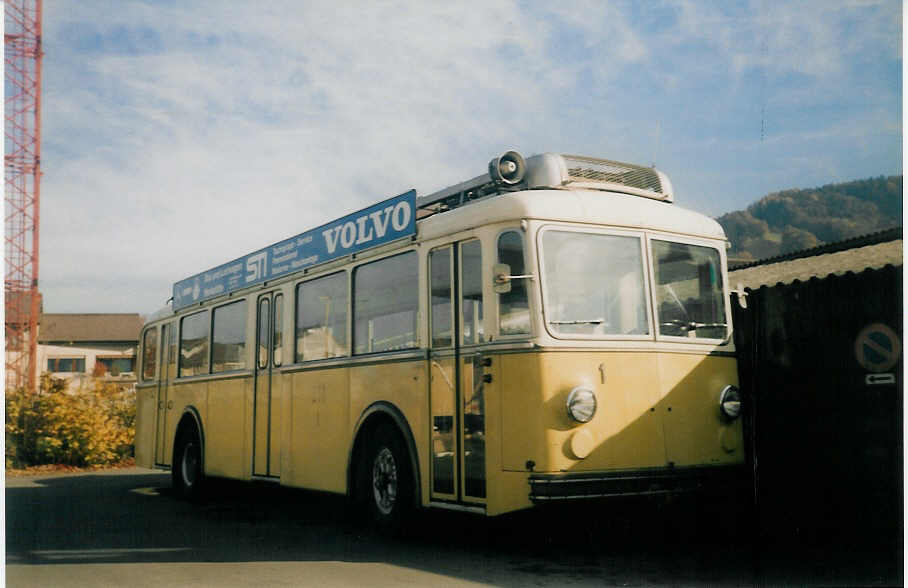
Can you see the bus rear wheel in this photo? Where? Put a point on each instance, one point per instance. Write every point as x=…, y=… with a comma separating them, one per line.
x=385, y=485
x=186, y=472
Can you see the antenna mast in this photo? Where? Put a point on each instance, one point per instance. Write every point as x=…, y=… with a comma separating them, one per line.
x=22, y=156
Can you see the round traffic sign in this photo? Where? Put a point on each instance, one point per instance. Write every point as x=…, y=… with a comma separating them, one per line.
x=877, y=347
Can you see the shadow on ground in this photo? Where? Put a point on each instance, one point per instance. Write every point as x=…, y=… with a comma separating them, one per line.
x=132, y=517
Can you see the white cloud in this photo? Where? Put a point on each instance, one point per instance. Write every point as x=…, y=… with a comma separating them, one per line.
x=818, y=38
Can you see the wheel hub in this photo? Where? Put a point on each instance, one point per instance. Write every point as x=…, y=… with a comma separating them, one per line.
x=384, y=481
x=189, y=465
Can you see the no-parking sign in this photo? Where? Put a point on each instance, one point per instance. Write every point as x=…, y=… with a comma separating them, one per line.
x=877, y=348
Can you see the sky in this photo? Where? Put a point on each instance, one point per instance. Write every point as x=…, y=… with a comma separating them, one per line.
x=177, y=136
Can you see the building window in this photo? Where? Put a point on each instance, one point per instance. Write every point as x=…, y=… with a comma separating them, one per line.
x=115, y=365
x=67, y=365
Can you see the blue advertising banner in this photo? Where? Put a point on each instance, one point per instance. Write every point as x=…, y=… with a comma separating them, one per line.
x=381, y=223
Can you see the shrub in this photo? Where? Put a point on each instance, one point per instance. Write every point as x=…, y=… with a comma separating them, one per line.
x=92, y=426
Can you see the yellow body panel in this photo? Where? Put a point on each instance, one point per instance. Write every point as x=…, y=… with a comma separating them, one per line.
x=628, y=434
x=319, y=433
x=277, y=395
x=655, y=410
x=146, y=409
x=694, y=429
x=262, y=411
x=508, y=491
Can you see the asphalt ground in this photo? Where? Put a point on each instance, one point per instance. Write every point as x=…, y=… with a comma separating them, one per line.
x=124, y=528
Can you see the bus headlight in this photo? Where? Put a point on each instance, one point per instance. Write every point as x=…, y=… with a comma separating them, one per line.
x=581, y=404
x=730, y=402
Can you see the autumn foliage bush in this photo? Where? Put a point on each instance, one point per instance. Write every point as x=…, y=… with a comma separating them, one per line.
x=86, y=426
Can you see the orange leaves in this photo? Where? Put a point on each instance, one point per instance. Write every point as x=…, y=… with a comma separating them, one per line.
x=84, y=427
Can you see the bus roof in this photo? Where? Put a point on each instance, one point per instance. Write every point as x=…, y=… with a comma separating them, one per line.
x=576, y=206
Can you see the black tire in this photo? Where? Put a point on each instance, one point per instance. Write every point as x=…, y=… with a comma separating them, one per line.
x=385, y=481
x=187, y=474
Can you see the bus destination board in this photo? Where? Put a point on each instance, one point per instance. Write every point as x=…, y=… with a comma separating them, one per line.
x=386, y=221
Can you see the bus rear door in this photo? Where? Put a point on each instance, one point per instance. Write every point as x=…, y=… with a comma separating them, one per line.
x=266, y=459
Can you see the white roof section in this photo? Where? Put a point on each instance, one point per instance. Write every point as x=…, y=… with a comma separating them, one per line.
x=160, y=313
x=574, y=205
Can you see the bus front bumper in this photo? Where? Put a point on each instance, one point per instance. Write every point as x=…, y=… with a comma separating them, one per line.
x=709, y=479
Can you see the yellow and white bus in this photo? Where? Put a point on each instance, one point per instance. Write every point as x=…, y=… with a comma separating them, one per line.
x=554, y=329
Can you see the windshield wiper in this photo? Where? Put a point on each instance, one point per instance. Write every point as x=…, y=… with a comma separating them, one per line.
x=595, y=321
x=677, y=301
x=692, y=326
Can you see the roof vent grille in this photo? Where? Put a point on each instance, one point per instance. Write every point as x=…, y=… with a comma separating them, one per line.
x=588, y=169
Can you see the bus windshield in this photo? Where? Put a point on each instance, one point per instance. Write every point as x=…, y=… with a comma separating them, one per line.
x=689, y=300
x=594, y=284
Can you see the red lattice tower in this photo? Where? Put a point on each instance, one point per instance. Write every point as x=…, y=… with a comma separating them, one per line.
x=22, y=155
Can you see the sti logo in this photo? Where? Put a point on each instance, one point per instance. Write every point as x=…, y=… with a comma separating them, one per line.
x=256, y=266
x=368, y=227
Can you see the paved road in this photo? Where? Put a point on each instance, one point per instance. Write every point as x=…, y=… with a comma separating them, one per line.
x=123, y=528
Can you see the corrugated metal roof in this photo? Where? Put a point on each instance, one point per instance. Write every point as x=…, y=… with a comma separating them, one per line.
x=892, y=234
x=855, y=260
x=89, y=327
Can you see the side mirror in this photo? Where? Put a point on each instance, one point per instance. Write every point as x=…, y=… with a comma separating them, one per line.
x=501, y=278
x=741, y=295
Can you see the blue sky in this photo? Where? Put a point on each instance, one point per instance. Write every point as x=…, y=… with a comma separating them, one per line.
x=179, y=135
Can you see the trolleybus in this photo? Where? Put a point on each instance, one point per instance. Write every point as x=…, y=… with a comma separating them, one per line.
x=554, y=329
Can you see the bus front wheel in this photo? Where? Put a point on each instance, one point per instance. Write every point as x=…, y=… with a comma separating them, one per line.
x=385, y=485
x=187, y=473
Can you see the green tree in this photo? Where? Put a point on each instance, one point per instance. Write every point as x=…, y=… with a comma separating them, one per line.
x=795, y=239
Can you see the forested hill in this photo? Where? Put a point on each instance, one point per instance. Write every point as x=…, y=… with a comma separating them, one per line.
x=793, y=220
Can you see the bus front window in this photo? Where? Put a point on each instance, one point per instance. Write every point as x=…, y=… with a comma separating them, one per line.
x=689, y=300
x=594, y=284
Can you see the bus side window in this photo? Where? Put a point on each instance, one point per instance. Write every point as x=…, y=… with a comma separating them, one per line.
x=513, y=306
x=385, y=304
x=321, y=318
x=264, y=327
x=194, y=332
x=471, y=292
x=228, y=345
x=149, y=353
x=442, y=313
x=277, y=335
x=171, y=352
